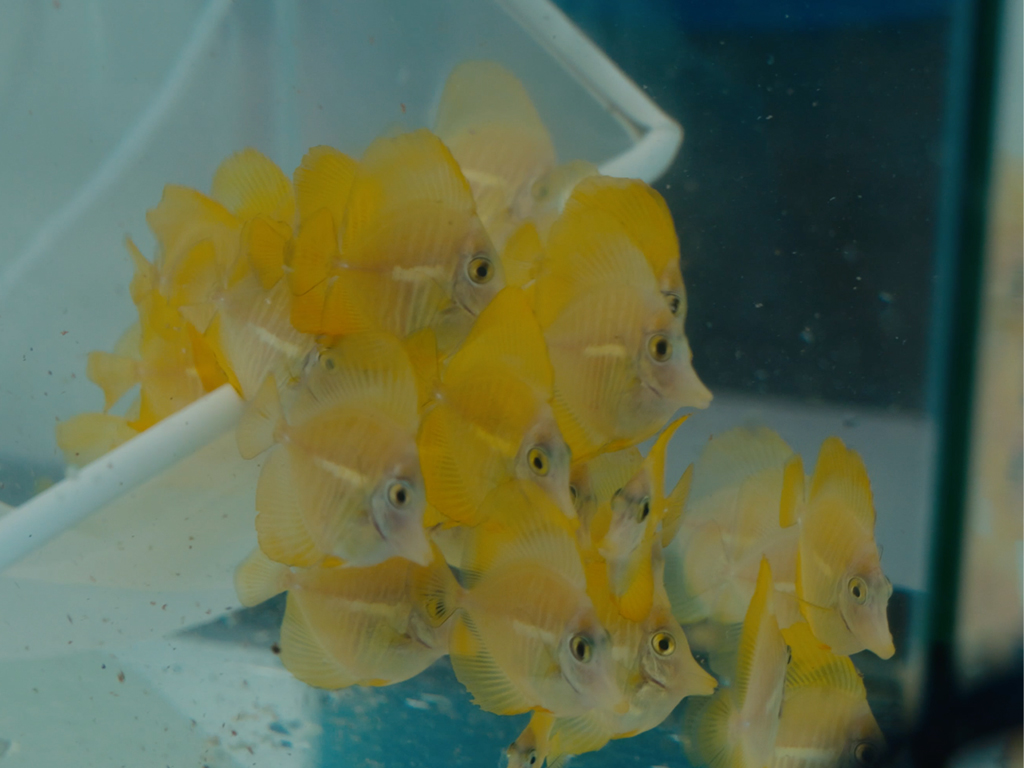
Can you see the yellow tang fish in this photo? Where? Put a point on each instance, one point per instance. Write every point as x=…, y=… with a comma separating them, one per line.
x=623, y=530
x=343, y=480
x=492, y=420
x=350, y=626
x=740, y=483
x=594, y=482
x=410, y=252
x=655, y=672
x=826, y=720
x=622, y=364
x=494, y=132
x=738, y=725
x=842, y=591
x=526, y=635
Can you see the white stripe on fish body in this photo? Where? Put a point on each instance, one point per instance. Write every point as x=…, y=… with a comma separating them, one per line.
x=341, y=472
x=274, y=341
x=418, y=274
x=533, y=632
x=605, y=350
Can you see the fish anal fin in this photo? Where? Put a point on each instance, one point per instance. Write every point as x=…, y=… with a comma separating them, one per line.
x=478, y=671
x=259, y=578
x=304, y=655
x=280, y=526
x=255, y=432
x=87, y=436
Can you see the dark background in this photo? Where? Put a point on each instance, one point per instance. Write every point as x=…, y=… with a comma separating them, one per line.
x=806, y=190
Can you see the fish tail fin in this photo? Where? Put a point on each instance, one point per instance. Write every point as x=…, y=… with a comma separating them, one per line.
x=265, y=241
x=791, y=503
x=114, y=374
x=435, y=588
x=705, y=735
x=255, y=432
x=304, y=656
x=259, y=578
x=87, y=436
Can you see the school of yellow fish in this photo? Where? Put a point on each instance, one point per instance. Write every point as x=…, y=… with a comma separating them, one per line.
x=450, y=350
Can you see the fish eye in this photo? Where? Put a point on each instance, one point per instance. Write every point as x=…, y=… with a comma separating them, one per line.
x=532, y=757
x=398, y=494
x=643, y=510
x=538, y=460
x=581, y=648
x=674, y=302
x=858, y=589
x=663, y=644
x=789, y=655
x=866, y=753
x=573, y=493
x=659, y=347
x=480, y=269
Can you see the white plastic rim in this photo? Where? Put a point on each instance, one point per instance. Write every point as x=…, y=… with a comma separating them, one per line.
x=39, y=520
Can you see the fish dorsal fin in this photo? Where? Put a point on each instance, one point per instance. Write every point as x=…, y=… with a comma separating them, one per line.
x=840, y=473
x=314, y=252
x=587, y=251
x=479, y=672
x=675, y=503
x=249, y=183
x=304, y=655
x=636, y=601
x=520, y=523
x=813, y=665
x=761, y=609
x=792, y=501
x=641, y=211
x=484, y=99
x=365, y=370
x=729, y=458
x=655, y=467
x=397, y=174
x=324, y=179
x=505, y=334
x=259, y=578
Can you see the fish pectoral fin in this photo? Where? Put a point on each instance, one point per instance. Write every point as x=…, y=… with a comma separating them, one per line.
x=576, y=735
x=304, y=655
x=435, y=588
x=477, y=669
